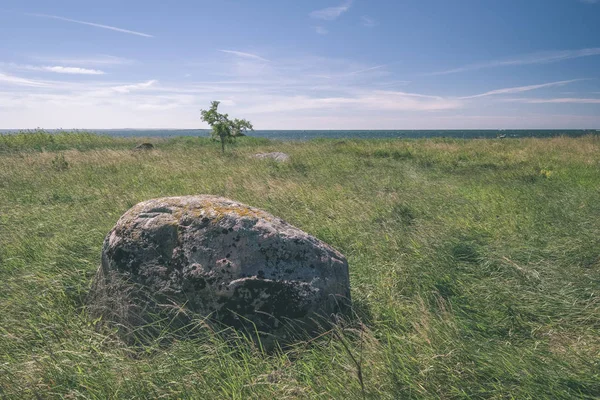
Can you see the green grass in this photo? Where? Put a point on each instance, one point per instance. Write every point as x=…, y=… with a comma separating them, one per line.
x=475, y=267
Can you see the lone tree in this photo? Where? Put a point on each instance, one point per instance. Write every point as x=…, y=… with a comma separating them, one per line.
x=223, y=128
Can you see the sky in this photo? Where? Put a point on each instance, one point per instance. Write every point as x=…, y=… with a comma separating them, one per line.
x=311, y=64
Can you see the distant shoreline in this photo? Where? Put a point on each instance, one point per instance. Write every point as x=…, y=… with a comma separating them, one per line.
x=337, y=134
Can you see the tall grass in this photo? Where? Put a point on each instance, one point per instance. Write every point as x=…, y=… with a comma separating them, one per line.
x=475, y=267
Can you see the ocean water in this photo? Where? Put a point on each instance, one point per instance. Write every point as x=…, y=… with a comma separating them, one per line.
x=343, y=134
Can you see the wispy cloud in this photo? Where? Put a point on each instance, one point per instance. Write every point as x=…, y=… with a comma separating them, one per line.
x=520, y=89
x=282, y=95
x=320, y=30
x=136, y=86
x=360, y=71
x=350, y=73
x=244, y=55
x=528, y=59
x=331, y=13
x=65, y=70
x=285, y=93
x=560, y=100
x=368, y=21
x=112, y=28
x=393, y=83
x=383, y=101
x=59, y=69
x=99, y=60
x=15, y=80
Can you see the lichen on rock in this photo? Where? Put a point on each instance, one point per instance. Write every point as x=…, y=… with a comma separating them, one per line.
x=210, y=256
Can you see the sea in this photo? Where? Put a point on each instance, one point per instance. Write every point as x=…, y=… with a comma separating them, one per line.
x=343, y=134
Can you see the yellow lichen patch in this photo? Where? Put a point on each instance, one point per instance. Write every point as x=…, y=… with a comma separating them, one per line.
x=215, y=207
x=241, y=211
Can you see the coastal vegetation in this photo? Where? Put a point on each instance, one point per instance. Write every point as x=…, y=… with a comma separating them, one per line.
x=474, y=266
x=223, y=128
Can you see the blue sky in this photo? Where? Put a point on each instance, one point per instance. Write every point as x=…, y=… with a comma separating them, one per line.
x=313, y=64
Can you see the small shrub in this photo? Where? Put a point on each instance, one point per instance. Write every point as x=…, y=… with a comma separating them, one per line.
x=59, y=163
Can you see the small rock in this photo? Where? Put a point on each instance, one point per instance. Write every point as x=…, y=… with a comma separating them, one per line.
x=238, y=265
x=277, y=156
x=143, y=146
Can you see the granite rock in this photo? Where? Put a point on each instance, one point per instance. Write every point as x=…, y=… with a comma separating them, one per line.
x=211, y=256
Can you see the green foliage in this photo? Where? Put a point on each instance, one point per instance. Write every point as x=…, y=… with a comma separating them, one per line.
x=41, y=140
x=59, y=162
x=469, y=278
x=223, y=128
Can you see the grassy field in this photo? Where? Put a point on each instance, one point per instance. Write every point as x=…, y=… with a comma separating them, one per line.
x=475, y=267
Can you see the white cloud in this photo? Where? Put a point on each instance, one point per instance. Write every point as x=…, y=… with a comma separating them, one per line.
x=320, y=30
x=15, y=80
x=393, y=83
x=284, y=94
x=331, y=13
x=95, y=105
x=244, y=55
x=365, y=100
x=561, y=100
x=147, y=104
x=137, y=86
x=520, y=89
x=534, y=58
x=112, y=28
x=367, y=69
x=368, y=21
x=64, y=70
x=352, y=73
x=100, y=60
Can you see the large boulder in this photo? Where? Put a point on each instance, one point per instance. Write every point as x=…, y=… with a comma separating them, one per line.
x=234, y=264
